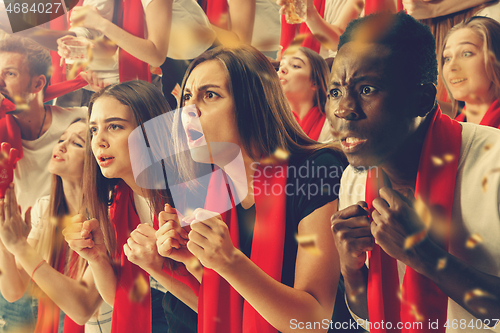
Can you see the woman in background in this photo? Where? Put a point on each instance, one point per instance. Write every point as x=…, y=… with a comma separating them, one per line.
x=60, y=274
x=304, y=78
x=470, y=69
x=119, y=241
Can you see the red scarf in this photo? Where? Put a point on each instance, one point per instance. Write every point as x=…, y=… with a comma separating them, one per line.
x=63, y=88
x=217, y=11
x=131, y=19
x=436, y=186
x=373, y=6
x=49, y=313
x=490, y=118
x=128, y=316
x=312, y=123
x=9, y=130
x=220, y=307
x=289, y=31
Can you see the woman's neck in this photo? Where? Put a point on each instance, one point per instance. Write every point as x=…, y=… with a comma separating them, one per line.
x=301, y=106
x=241, y=172
x=130, y=181
x=475, y=109
x=72, y=195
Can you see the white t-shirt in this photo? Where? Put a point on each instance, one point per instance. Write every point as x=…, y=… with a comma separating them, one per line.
x=99, y=324
x=332, y=11
x=31, y=175
x=267, y=26
x=187, y=20
x=491, y=11
x=105, y=68
x=476, y=209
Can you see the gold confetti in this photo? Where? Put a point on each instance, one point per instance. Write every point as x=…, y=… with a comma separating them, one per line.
x=414, y=311
x=423, y=212
x=448, y=158
x=308, y=243
x=484, y=184
x=487, y=146
x=277, y=157
x=139, y=289
x=473, y=241
x=281, y=154
x=353, y=295
x=414, y=239
x=441, y=264
x=476, y=293
x=437, y=161
x=194, y=265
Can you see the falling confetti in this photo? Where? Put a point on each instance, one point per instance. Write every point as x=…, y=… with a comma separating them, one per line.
x=423, y=212
x=487, y=146
x=353, y=295
x=308, y=243
x=414, y=311
x=194, y=265
x=437, y=161
x=441, y=264
x=281, y=154
x=484, y=184
x=277, y=157
x=474, y=294
x=139, y=289
x=448, y=158
x=156, y=71
x=473, y=241
x=414, y=239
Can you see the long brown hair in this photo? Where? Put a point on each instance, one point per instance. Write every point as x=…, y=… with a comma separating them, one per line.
x=439, y=27
x=145, y=102
x=263, y=116
x=51, y=244
x=489, y=31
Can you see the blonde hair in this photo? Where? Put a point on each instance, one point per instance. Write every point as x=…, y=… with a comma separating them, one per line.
x=489, y=31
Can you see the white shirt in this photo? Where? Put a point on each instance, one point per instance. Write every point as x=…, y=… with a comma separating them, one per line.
x=187, y=20
x=31, y=175
x=476, y=209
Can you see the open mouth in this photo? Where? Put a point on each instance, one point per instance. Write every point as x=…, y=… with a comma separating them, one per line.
x=57, y=158
x=351, y=143
x=105, y=160
x=194, y=136
x=455, y=81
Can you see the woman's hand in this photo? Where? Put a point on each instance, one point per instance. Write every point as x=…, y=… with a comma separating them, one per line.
x=210, y=241
x=87, y=17
x=85, y=238
x=141, y=250
x=171, y=238
x=14, y=230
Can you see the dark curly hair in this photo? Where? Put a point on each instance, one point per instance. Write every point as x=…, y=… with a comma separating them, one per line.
x=412, y=44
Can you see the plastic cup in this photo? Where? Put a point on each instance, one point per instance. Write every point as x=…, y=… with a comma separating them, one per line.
x=78, y=51
x=295, y=11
